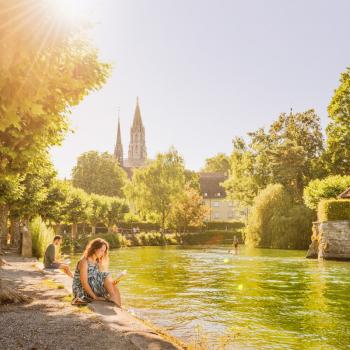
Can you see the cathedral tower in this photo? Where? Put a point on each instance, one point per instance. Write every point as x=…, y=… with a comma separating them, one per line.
x=137, y=154
x=118, y=150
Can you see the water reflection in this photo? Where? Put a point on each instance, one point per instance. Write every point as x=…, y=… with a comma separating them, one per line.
x=263, y=298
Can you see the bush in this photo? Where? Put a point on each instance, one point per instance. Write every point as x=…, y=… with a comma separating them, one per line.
x=211, y=237
x=223, y=225
x=275, y=221
x=42, y=236
x=327, y=188
x=331, y=210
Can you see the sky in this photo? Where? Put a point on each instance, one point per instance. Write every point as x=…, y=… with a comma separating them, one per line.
x=206, y=71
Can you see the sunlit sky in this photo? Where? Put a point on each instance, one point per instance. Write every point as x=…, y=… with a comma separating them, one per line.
x=206, y=71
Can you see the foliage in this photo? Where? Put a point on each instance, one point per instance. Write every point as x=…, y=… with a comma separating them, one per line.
x=44, y=70
x=287, y=153
x=35, y=185
x=217, y=164
x=224, y=225
x=52, y=207
x=42, y=236
x=98, y=210
x=99, y=173
x=188, y=210
x=154, y=188
x=329, y=187
x=117, y=208
x=276, y=221
x=334, y=209
x=337, y=155
x=76, y=206
x=211, y=237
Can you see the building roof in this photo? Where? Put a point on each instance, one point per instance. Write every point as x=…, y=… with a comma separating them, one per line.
x=210, y=185
x=345, y=194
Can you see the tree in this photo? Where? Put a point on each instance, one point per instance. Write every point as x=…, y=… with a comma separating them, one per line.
x=154, y=188
x=117, y=208
x=217, y=164
x=242, y=185
x=327, y=188
x=276, y=221
x=76, y=208
x=337, y=155
x=98, y=210
x=45, y=69
x=289, y=153
x=189, y=210
x=99, y=173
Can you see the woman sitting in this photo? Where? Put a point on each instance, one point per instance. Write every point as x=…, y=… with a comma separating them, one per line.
x=90, y=282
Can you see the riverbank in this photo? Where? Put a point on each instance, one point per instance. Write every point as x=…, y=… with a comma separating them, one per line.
x=49, y=321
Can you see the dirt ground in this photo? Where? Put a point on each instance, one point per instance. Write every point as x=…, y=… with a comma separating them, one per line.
x=49, y=321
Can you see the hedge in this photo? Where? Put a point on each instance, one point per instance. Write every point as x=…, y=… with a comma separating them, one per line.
x=334, y=209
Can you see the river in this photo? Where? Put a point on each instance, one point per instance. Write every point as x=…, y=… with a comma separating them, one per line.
x=257, y=299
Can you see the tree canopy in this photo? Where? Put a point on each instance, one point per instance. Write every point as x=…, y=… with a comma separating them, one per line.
x=99, y=173
x=337, y=155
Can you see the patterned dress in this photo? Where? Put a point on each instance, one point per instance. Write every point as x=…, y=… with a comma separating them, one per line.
x=96, y=281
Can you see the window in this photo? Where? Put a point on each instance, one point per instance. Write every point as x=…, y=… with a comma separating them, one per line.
x=216, y=215
x=230, y=214
x=218, y=194
x=205, y=194
x=216, y=204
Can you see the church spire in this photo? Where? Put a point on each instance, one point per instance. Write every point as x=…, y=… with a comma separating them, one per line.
x=137, y=154
x=118, y=150
x=137, y=123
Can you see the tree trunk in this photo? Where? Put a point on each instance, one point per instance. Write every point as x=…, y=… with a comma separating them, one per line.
x=15, y=232
x=58, y=229
x=74, y=230
x=27, y=245
x=93, y=229
x=4, y=210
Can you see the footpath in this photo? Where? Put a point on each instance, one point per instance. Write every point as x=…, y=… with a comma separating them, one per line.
x=49, y=321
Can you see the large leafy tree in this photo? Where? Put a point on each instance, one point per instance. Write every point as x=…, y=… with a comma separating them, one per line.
x=217, y=164
x=99, y=173
x=188, y=210
x=154, y=188
x=287, y=153
x=337, y=155
x=276, y=221
x=46, y=67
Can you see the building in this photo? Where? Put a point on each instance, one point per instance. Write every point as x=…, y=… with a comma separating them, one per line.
x=214, y=195
x=137, y=153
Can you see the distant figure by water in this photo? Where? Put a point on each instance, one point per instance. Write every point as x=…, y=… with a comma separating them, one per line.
x=235, y=245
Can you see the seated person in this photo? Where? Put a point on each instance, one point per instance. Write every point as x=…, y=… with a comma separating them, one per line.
x=50, y=261
x=90, y=282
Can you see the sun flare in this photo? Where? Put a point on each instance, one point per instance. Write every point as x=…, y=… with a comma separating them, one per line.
x=71, y=10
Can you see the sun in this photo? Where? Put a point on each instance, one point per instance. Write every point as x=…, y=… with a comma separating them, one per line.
x=71, y=10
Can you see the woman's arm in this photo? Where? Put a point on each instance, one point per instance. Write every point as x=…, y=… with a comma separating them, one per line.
x=83, y=268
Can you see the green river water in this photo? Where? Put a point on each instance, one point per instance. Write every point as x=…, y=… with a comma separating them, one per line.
x=257, y=299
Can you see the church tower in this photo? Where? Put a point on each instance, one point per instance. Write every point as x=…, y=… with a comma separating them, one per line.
x=137, y=154
x=118, y=150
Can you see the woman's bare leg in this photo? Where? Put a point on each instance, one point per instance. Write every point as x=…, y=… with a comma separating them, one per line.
x=113, y=291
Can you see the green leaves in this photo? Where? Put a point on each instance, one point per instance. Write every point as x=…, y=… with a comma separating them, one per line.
x=337, y=155
x=99, y=173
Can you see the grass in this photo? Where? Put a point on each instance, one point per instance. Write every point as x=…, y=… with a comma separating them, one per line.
x=51, y=284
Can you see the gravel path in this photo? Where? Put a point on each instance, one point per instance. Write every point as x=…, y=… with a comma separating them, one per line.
x=49, y=321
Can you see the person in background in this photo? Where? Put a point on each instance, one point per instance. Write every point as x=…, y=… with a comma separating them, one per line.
x=50, y=261
x=235, y=244
x=90, y=281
